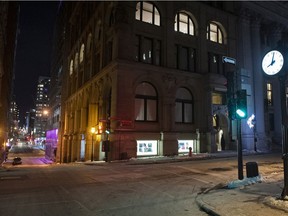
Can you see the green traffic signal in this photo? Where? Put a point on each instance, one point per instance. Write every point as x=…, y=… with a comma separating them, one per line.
x=241, y=104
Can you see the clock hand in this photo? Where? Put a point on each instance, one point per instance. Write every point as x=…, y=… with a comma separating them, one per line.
x=272, y=61
x=272, y=58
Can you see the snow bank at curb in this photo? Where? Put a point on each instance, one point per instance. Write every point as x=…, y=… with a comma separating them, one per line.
x=244, y=182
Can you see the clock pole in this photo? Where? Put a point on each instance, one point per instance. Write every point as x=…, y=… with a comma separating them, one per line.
x=282, y=80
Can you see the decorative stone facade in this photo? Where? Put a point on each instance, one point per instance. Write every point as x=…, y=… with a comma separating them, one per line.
x=153, y=74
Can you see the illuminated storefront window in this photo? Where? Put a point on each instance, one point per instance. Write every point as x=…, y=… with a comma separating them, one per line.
x=147, y=147
x=184, y=145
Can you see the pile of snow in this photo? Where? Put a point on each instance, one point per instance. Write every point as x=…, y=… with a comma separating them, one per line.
x=276, y=202
x=244, y=182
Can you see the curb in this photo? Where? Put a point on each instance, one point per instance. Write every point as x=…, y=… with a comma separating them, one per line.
x=205, y=207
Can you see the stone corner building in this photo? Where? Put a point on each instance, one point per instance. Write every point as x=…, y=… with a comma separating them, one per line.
x=152, y=78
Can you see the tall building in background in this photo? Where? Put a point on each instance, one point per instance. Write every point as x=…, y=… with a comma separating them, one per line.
x=29, y=125
x=146, y=78
x=41, y=108
x=56, y=84
x=9, y=13
x=14, y=120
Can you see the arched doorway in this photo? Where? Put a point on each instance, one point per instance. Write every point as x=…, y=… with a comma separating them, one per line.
x=220, y=125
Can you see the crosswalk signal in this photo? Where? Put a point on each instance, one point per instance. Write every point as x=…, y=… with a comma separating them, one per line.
x=241, y=104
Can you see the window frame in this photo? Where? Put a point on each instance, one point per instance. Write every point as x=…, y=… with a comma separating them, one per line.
x=156, y=17
x=269, y=94
x=183, y=105
x=145, y=103
x=217, y=32
x=177, y=23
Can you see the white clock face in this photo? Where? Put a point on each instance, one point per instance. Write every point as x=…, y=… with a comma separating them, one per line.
x=272, y=62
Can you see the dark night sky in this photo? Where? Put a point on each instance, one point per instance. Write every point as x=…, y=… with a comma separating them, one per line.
x=33, y=54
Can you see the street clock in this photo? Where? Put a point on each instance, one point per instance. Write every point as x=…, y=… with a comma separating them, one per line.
x=272, y=62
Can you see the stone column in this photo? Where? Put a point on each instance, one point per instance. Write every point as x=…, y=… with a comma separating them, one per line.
x=258, y=84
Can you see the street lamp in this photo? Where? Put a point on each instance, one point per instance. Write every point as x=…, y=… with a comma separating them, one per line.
x=93, y=130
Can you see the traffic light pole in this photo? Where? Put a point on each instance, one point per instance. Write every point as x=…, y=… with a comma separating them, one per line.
x=239, y=150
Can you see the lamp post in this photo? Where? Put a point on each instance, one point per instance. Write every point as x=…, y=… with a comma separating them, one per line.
x=92, y=150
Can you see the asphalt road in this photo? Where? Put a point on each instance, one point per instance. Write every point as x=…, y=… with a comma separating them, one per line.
x=119, y=189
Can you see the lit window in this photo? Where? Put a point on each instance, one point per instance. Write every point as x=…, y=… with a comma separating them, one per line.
x=214, y=33
x=218, y=98
x=82, y=53
x=148, y=13
x=269, y=94
x=145, y=102
x=184, y=106
x=184, y=24
x=71, y=67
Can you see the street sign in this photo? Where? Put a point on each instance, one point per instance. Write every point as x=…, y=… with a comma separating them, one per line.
x=125, y=123
x=226, y=59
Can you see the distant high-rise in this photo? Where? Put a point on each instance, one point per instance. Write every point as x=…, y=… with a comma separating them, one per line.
x=41, y=107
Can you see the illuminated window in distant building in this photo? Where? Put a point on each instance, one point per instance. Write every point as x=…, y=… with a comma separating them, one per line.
x=183, y=23
x=184, y=106
x=146, y=101
x=214, y=33
x=269, y=94
x=147, y=12
x=82, y=53
x=71, y=67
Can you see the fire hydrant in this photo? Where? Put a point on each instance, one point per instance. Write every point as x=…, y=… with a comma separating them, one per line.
x=190, y=151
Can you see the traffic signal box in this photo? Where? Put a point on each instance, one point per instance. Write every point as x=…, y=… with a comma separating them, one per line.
x=241, y=104
x=105, y=146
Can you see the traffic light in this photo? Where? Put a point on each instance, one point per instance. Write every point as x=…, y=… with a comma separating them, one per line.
x=100, y=129
x=241, y=104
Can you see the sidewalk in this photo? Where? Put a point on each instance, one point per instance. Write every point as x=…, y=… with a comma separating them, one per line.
x=257, y=199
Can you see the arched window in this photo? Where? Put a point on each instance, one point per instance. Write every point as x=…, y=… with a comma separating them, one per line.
x=184, y=24
x=147, y=12
x=89, y=43
x=184, y=106
x=146, y=101
x=76, y=61
x=82, y=53
x=71, y=67
x=214, y=33
x=98, y=31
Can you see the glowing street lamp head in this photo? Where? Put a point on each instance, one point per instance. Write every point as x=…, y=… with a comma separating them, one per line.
x=93, y=130
x=45, y=112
